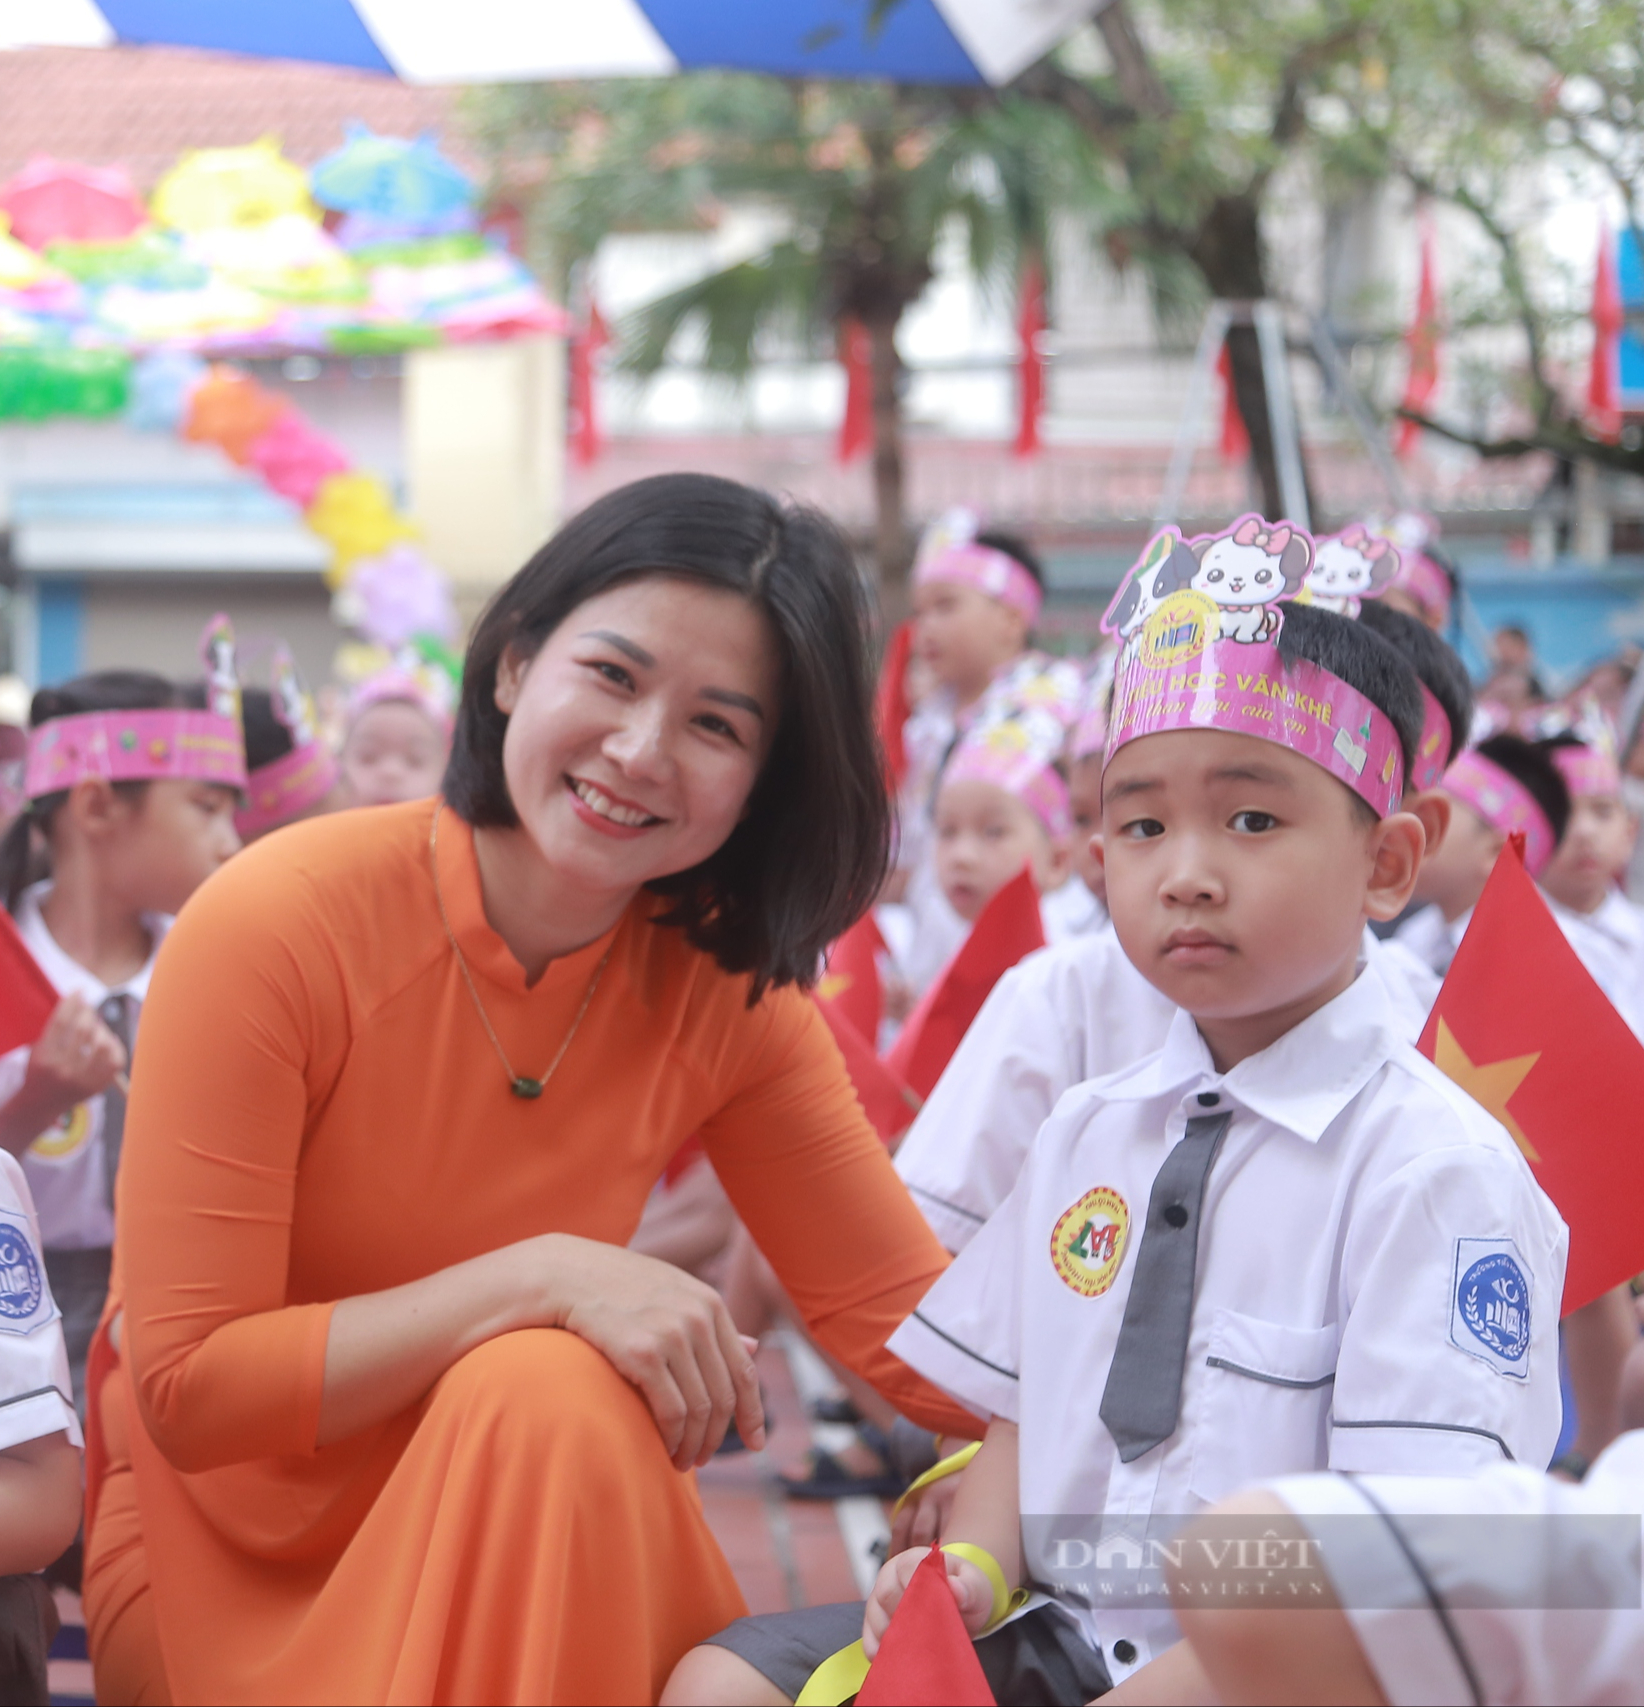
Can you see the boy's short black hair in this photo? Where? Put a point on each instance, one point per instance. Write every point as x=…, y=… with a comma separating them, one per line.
x=266, y=737
x=1435, y=662
x=810, y=853
x=1013, y=545
x=1364, y=661
x=1531, y=764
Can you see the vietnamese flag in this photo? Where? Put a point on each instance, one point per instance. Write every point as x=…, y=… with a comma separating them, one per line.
x=891, y=706
x=851, y=980
x=1009, y=929
x=1031, y=327
x=27, y=997
x=926, y=1653
x=1422, y=341
x=1523, y=1029
x=1609, y=322
x=856, y=357
x=888, y=1103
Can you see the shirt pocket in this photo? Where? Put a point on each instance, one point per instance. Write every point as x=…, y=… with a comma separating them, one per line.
x=1267, y=1389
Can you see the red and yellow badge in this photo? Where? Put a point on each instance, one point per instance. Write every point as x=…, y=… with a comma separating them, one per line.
x=1088, y=1242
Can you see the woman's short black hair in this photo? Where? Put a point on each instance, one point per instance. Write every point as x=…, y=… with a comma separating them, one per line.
x=1531, y=763
x=1435, y=662
x=266, y=737
x=1013, y=545
x=810, y=854
x=1361, y=659
x=103, y=690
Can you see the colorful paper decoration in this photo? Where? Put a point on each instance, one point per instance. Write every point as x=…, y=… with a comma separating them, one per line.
x=37, y=384
x=355, y=516
x=161, y=386
x=391, y=178
x=231, y=410
x=294, y=458
x=52, y=199
x=213, y=187
x=398, y=595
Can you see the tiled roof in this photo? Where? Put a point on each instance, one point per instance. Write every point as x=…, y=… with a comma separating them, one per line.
x=141, y=107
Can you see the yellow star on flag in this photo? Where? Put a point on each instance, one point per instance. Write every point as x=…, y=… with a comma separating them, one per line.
x=832, y=985
x=1490, y=1084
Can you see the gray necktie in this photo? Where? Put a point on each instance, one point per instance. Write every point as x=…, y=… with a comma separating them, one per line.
x=1143, y=1396
x=116, y=1014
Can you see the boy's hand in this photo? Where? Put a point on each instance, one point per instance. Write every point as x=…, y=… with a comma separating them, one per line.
x=924, y=1515
x=76, y=1057
x=972, y=1593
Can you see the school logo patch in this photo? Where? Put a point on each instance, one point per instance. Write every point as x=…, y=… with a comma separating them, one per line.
x=1490, y=1315
x=1183, y=625
x=24, y=1301
x=1088, y=1242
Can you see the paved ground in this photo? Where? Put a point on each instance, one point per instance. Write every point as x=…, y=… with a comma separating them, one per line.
x=785, y=1552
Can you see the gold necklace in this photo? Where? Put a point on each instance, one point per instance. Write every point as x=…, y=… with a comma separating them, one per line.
x=521, y=1086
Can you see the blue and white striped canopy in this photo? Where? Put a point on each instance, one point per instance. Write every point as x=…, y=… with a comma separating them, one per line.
x=489, y=41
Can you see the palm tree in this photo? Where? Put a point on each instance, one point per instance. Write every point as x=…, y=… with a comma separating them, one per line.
x=860, y=181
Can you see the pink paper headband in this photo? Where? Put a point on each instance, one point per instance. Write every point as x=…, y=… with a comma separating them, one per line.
x=134, y=746
x=1177, y=672
x=1022, y=771
x=402, y=685
x=1426, y=583
x=1433, y=750
x=1504, y=803
x=1588, y=771
x=282, y=790
x=995, y=573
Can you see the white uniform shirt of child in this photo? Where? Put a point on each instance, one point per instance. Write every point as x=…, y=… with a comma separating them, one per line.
x=34, y=1372
x=1353, y=1225
x=1432, y=938
x=64, y=1166
x=1076, y=1011
x=1609, y=942
x=1514, y=1637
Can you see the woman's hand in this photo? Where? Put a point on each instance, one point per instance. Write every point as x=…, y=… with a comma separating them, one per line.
x=672, y=1337
x=972, y=1594
x=76, y=1057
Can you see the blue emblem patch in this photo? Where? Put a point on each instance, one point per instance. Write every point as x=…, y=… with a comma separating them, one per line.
x=24, y=1300
x=1490, y=1317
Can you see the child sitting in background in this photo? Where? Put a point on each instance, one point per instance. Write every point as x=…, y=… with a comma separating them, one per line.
x=1582, y=880
x=398, y=737
x=134, y=793
x=1080, y=905
x=293, y=774
x=1504, y=784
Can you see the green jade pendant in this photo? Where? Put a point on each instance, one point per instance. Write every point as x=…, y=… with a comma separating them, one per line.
x=530, y=1089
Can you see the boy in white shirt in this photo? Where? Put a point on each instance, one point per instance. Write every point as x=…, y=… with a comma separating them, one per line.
x=1582, y=880
x=1502, y=785
x=1283, y=1242
x=1080, y=1009
x=40, y=1445
x=1508, y=1588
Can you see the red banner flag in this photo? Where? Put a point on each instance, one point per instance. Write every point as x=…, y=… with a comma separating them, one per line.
x=27, y=998
x=1609, y=321
x=1030, y=366
x=1523, y=1029
x=851, y=981
x=1235, y=440
x=1422, y=341
x=888, y=1103
x=1009, y=929
x=892, y=707
x=856, y=355
x=586, y=441
x=926, y=1653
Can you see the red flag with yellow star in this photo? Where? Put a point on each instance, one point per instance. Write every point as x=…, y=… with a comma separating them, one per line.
x=851, y=980
x=1523, y=1029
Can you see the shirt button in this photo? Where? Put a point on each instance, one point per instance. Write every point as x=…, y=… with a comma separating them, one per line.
x=1207, y=1099
x=1124, y=1652
x=1175, y=1215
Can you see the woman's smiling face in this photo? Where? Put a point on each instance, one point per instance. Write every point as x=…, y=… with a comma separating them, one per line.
x=637, y=731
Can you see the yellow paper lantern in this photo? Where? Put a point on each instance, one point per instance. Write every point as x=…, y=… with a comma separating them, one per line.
x=214, y=187
x=355, y=515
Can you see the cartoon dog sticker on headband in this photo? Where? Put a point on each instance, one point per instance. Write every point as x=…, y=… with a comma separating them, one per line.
x=1348, y=568
x=1238, y=576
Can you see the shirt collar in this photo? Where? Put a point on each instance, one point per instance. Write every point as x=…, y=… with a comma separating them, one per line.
x=1303, y=1081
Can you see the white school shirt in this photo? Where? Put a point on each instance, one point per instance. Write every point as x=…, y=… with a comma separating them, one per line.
x=1075, y=1011
x=1609, y=942
x=1498, y=1588
x=1433, y=939
x=1377, y=1288
x=64, y=1166
x=35, y=1397
x=1071, y=910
